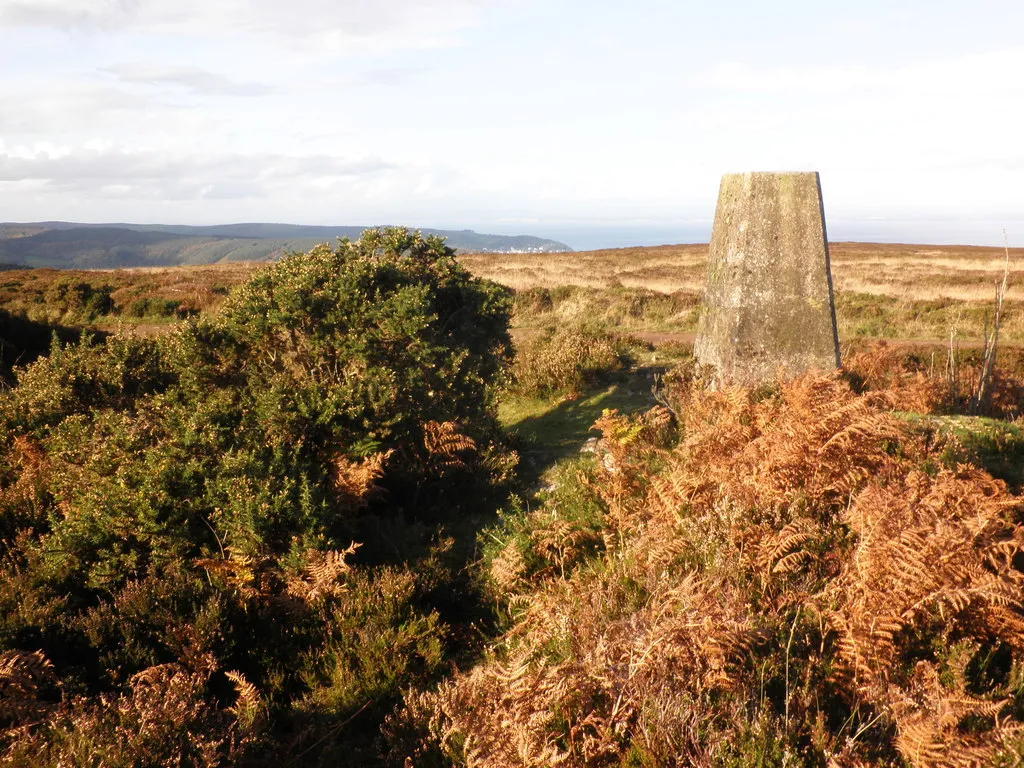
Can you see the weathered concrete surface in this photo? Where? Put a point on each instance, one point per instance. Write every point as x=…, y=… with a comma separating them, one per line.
x=768, y=306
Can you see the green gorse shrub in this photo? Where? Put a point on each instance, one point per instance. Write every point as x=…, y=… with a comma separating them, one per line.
x=192, y=500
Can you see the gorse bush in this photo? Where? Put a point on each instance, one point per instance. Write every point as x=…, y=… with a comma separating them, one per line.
x=77, y=300
x=371, y=341
x=178, y=514
x=149, y=306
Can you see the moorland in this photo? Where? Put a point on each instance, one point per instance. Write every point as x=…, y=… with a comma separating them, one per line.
x=385, y=504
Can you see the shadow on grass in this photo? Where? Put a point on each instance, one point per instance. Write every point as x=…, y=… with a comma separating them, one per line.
x=995, y=446
x=547, y=431
x=440, y=545
x=22, y=341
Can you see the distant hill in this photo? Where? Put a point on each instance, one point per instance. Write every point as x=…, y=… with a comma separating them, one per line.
x=67, y=245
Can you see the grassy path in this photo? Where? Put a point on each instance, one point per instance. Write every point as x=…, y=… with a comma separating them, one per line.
x=548, y=431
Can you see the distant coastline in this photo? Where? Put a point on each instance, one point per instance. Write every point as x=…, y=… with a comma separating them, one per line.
x=70, y=245
x=930, y=231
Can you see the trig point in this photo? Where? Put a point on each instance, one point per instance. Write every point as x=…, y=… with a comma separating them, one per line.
x=768, y=306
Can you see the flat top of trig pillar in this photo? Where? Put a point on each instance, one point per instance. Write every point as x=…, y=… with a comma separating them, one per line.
x=771, y=177
x=771, y=173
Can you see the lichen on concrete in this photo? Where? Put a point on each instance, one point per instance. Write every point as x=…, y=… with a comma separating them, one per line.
x=768, y=307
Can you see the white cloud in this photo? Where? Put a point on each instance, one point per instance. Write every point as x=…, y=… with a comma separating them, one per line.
x=196, y=80
x=42, y=150
x=940, y=133
x=242, y=109
x=339, y=25
x=66, y=107
x=107, y=171
x=991, y=73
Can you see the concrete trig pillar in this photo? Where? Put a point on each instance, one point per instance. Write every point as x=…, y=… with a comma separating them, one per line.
x=768, y=306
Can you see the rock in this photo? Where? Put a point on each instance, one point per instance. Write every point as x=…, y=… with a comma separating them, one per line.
x=768, y=306
x=597, y=446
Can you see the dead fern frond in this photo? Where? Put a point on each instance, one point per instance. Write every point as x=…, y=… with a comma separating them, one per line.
x=355, y=481
x=21, y=668
x=239, y=571
x=248, y=705
x=782, y=552
x=35, y=466
x=321, y=575
x=562, y=543
x=615, y=671
x=508, y=568
x=22, y=673
x=929, y=734
x=446, y=445
x=879, y=367
x=809, y=495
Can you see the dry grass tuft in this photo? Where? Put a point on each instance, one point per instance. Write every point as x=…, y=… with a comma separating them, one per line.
x=568, y=359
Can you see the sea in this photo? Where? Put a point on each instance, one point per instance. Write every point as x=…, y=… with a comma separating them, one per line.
x=934, y=231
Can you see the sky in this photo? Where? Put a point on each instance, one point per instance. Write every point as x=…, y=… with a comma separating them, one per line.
x=598, y=122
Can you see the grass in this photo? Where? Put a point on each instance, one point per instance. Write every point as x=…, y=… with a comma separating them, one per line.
x=549, y=433
x=923, y=272
x=555, y=428
x=996, y=446
x=859, y=315
x=622, y=308
x=665, y=269
x=551, y=428
x=882, y=291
